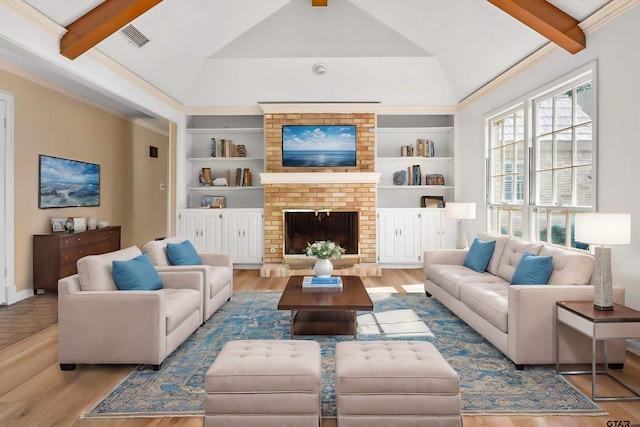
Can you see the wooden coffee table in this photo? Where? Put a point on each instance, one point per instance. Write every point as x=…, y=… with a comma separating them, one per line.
x=325, y=311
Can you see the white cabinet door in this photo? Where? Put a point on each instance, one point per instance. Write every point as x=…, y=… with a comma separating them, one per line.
x=387, y=233
x=409, y=245
x=399, y=236
x=191, y=229
x=436, y=230
x=212, y=228
x=232, y=234
x=243, y=235
x=254, y=245
x=203, y=228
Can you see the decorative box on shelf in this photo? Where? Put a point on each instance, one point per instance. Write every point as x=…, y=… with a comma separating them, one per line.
x=322, y=283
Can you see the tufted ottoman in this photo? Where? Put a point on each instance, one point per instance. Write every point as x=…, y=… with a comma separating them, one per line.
x=395, y=383
x=264, y=383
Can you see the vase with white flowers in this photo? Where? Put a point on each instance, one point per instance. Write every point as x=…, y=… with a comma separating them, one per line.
x=324, y=250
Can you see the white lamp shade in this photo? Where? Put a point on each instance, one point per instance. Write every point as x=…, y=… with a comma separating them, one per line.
x=603, y=228
x=461, y=210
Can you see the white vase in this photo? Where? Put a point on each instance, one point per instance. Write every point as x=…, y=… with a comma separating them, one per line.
x=323, y=268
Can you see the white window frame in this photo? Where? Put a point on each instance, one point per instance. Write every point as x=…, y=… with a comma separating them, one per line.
x=530, y=209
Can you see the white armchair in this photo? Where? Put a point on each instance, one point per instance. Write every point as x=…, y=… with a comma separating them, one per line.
x=99, y=324
x=217, y=268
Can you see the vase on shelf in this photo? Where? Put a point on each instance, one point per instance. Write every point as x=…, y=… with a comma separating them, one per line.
x=323, y=268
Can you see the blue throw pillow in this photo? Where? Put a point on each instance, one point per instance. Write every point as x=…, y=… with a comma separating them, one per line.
x=479, y=255
x=183, y=254
x=532, y=270
x=137, y=274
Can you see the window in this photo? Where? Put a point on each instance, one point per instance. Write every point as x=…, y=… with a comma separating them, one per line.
x=506, y=174
x=538, y=183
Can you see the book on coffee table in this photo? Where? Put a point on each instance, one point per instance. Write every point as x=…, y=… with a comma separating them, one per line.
x=313, y=282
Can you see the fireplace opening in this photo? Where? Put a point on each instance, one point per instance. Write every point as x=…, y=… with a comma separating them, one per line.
x=302, y=227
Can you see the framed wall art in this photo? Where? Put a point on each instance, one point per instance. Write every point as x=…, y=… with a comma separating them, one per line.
x=67, y=183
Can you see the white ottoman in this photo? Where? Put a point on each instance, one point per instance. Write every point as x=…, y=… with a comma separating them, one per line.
x=395, y=383
x=264, y=383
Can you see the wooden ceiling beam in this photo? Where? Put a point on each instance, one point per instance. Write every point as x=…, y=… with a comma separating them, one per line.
x=319, y=2
x=99, y=23
x=548, y=20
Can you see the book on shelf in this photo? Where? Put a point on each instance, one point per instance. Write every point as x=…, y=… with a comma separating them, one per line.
x=434, y=179
x=223, y=148
x=414, y=174
x=425, y=148
x=313, y=282
x=243, y=177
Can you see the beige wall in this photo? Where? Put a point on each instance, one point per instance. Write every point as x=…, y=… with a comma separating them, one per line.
x=149, y=202
x=47, y=122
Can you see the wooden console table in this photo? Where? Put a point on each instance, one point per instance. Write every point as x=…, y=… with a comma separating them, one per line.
x=55, y=255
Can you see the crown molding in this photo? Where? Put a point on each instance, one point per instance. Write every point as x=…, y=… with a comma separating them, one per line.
x=320, y=107
x=223, y=111
x=417, y=110
x=34, y=16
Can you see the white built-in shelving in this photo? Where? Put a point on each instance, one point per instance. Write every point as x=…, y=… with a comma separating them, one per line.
x=394, y=132
x=242, y=130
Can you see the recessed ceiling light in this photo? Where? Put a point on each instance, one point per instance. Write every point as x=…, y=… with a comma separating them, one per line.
x=320, y=69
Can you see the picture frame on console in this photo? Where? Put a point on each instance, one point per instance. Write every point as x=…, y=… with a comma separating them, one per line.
x=432, y=202
x=57, y=224
x=214, y=201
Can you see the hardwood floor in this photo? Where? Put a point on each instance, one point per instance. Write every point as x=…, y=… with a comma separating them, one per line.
x=34, y=392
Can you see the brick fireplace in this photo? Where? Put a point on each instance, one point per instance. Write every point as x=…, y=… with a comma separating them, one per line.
x=320, y=189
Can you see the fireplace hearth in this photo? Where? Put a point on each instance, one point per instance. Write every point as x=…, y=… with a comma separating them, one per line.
x=302, y=227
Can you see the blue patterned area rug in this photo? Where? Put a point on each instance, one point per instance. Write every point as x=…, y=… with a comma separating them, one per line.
x=490, y=383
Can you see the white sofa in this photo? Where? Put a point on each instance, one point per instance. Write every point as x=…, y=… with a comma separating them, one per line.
x=519, y=319
x=217, y=268
x=99, y=324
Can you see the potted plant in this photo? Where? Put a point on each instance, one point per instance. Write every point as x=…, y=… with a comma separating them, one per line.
x=324, y=250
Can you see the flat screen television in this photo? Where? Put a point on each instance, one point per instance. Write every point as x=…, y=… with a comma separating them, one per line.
x=68, y=183
x=319, y=146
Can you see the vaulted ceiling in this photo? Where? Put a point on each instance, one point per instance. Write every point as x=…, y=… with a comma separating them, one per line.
x=397, y=52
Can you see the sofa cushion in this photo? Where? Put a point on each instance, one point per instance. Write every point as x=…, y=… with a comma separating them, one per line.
x=512, y=253
x=137, y=274
x=157, y=250
x=532, y=270
x=570, y=266
x=182, y=253
x=94, y=271
x=501, y=241
x=489, y=300
x=479, y=254
x=180, y=304
x=452, y=277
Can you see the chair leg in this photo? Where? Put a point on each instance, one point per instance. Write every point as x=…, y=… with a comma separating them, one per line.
x=67, y=366
x=519, y=367
x=156, y=367
x=427, y=294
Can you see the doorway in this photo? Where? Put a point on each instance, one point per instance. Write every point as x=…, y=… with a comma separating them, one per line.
x=7, y=288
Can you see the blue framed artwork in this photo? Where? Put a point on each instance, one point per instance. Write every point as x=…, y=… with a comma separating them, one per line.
x=67, y=183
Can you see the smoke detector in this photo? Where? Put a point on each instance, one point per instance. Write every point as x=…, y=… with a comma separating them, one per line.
x=320, y=69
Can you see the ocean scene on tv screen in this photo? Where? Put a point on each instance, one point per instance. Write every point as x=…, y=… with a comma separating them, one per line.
x=68, y=183
x=319, y=146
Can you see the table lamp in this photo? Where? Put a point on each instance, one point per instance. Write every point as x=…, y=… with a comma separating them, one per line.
x=461, y=211
x=603, y=229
